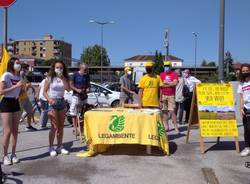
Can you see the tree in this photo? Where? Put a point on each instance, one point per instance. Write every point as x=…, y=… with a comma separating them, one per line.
x=158, y=63
x=228, y=69
x=228, y=64
x=206, y=63
x=92, y=56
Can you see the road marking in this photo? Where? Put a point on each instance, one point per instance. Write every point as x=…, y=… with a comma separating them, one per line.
x=210, y=176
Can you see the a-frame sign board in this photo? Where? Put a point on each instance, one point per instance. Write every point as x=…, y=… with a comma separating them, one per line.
x=213, y=112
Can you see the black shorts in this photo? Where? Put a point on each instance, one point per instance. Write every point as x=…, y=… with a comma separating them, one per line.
x=9, y=105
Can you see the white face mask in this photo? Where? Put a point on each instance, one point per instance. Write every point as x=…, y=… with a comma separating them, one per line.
x=129, y=72
x=185, y=75
x=17, y=67
x=58, y=71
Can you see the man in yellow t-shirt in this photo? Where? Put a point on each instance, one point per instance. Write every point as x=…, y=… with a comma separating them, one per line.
x=149, y=86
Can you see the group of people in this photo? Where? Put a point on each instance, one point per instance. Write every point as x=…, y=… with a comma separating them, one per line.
x=164, y=91
x=13, y=90
x=171, y=91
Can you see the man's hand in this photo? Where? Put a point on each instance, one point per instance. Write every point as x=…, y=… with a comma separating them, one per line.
x=78, y=91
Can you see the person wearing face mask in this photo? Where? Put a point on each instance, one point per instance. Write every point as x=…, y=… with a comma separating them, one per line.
x=80, y=84
x=167, y=97
x=126, y=95
x=179, y=98
x=10, y=87
x=24, y=100
x=244, y=91
x=55, y=85
x=190, y=81
x=149, y=86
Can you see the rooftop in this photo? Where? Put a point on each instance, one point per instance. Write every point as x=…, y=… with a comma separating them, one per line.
x=151, y=57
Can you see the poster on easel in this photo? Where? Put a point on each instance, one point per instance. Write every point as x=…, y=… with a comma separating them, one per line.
x=213, y=111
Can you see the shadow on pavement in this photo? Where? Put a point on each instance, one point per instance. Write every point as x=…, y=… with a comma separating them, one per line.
x=175, y=136
x=135, y=150
x=40, y=156
x=7, y=177
x=17, y=181
x=224, y=145
x=172, y=147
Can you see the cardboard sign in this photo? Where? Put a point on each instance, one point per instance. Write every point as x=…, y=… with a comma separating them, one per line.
x=213, y=111
x=216, y=110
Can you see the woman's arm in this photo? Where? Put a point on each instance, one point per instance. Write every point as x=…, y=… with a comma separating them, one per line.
x=4, y=90
x=45, y=92
x=66, y=84
x=241, y=105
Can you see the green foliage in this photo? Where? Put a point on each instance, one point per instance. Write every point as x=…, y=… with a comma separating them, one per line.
x=209, y=79
x=92, y=56
x=205, y=63
x=47, y=62
x=158, y=63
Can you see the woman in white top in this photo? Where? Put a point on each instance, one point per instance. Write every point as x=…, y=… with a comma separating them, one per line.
x=10, y=86
x=244, y=90
x=57, y=81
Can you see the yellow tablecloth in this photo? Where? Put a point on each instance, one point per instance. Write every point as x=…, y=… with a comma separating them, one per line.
x=105, y=127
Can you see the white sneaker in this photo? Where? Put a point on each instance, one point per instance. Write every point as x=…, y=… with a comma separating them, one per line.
x=14, y=159
x=63, y=151
x=6, y=160
x=52, y=152
x=245, y=152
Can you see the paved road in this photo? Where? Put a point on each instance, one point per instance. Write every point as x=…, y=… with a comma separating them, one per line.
x=129, y=164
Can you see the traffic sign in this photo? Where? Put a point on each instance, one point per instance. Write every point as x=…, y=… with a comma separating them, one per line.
x=6, y=3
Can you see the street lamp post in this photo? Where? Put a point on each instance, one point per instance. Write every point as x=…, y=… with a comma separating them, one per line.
x=195, y=51
x=102, y=24
x=221, y=39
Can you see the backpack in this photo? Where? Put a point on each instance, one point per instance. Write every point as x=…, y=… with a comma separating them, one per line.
x=185, y=90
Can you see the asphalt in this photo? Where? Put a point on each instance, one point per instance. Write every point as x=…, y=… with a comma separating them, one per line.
x=129, y=164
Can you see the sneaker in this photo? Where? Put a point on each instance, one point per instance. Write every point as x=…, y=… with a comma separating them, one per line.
x=30, y=128
x=245, y=152
x=43, y=128
x=6, y=160
x=14, y=159
x=63, y=151
x=52, y=152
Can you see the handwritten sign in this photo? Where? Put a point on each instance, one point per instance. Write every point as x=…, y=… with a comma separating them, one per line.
x=216, y=110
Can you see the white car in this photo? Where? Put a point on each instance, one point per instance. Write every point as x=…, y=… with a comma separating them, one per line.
x=98, y=95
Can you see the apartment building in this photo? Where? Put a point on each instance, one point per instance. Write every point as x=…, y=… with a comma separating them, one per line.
x=44, y=49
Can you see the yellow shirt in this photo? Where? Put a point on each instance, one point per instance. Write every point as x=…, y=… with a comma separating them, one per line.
x=150, y=87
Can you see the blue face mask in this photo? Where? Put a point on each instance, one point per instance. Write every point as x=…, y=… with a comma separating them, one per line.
x=167, y=69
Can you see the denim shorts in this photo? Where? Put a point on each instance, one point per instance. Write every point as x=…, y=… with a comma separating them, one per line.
x=59, y=105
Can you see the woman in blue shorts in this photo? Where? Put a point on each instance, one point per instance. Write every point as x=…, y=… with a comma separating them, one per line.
x=57, y=81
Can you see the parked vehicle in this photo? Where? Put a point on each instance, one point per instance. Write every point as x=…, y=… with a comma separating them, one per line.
x=113, y=86
x=99, y=95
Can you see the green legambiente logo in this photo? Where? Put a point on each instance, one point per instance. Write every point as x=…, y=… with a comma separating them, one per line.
x=161, y=129
x=117, y=124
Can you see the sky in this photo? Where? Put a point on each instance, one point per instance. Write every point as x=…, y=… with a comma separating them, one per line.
x=139, y=26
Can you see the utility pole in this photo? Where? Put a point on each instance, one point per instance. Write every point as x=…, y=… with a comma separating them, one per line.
x=166, y=44
x=195, y=52
x=221, y=39
x=5, y=27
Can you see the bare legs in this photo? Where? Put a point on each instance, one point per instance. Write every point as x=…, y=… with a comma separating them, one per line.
x=174, y=119
x=57, y=123
x=10, y=129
